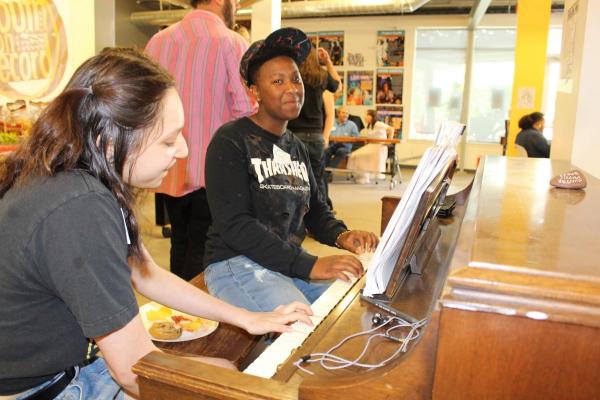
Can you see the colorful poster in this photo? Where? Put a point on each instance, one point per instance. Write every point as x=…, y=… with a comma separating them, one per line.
x=333, y=42
x=339, y=94
x=33, y=49
x=392, y=116
x=390, y=49
x=389, y=86
x=360, y=88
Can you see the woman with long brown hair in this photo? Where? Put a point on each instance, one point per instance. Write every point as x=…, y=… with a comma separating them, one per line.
x=71, y=254
x=313, y=125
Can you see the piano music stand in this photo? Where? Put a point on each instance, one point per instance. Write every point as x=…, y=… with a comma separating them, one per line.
x=408, y=276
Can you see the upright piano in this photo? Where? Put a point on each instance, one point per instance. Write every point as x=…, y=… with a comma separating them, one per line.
x=515, y=312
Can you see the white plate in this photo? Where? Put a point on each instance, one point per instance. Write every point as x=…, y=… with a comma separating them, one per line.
x=207, y=327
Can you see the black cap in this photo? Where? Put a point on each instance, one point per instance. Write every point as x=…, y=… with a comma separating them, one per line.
x=289, y=42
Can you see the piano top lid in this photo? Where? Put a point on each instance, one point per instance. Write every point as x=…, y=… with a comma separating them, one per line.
x=522, y=238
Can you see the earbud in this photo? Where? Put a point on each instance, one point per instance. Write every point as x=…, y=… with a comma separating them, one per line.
x=379, y=319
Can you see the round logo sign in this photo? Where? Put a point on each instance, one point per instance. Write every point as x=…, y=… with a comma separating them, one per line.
x=33, y=48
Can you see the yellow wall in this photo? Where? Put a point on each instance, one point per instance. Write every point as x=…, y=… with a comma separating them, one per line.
x=533, y=20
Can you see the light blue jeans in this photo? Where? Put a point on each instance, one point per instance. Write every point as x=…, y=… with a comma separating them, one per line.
x=91, y=382
x=244, y=283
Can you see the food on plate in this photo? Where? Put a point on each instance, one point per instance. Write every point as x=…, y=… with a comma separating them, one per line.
x=162, y=314
x=178, y=320
x=165, y=330
x=191, y=326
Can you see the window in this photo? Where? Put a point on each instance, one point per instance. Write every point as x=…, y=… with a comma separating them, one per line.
x=491, y=84
x=439, y=73
x=438, y=80
x=551, y=79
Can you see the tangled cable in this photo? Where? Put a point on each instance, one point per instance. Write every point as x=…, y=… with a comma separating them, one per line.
x=327, y=359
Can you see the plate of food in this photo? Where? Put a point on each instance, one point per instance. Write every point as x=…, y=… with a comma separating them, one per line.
x=167, y=325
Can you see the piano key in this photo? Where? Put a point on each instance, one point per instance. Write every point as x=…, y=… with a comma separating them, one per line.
x=280, y=350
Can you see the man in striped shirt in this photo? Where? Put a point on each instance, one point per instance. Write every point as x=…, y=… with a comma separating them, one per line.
x=203, y=54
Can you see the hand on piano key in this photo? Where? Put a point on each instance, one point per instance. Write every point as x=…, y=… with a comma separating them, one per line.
x=277, y=353
x=358, y=242
x=278, y=320
x=336, y=267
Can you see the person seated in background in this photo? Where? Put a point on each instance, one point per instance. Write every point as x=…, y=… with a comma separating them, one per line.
x=530, y=136
x=336, y=151
x=372, y=157
x=263, y=195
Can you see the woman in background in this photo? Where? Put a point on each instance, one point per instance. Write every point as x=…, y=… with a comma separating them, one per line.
x=530, y=136
x=313, y=125
x=373, y=156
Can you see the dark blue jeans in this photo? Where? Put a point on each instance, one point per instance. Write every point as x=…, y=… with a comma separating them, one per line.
x=336, y=152
x=315, y=145
x=91, y=382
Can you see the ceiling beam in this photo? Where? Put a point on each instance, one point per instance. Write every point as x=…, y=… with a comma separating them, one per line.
x=477, y=12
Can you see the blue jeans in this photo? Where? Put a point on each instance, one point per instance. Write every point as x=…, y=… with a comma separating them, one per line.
x=91, y=382
x=244, y=283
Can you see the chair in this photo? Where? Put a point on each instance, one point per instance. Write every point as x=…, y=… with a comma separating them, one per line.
x=521, y=152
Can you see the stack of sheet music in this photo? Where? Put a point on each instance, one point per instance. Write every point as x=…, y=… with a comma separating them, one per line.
x=433, y=162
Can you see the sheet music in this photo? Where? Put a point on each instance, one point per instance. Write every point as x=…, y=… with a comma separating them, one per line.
x=430, y=166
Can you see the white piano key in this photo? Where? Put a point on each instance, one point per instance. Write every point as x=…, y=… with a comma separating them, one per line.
x=279, y=351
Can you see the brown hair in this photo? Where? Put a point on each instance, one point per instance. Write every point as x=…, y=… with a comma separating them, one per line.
x=527, y=121
x=373, y=114
x=101, y=119
x=311, y=71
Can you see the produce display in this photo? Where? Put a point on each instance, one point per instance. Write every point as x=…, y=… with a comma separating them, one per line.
x=9, y=138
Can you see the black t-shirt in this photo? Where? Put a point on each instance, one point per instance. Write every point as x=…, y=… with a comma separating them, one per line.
x=63, y=276
x=262, y=197
x=311, y=114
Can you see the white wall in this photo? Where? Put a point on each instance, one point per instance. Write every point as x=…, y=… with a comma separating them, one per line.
x=360, y=37
x=576, y=123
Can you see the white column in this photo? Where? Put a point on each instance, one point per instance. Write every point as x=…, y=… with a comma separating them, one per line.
x=266, y=17
x=576, y=137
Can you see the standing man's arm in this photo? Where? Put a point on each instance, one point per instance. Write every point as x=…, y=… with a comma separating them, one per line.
x=242, y=103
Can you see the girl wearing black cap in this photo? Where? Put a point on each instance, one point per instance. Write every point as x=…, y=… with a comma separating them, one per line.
x=264, y=197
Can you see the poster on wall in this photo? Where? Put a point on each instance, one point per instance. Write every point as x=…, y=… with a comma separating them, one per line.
x=390, y=49
x=333, y=42
x=33, y=49
x=339, y=94
x=389, y=86
x=392, y=116
x=360, y=88
x=313, y=38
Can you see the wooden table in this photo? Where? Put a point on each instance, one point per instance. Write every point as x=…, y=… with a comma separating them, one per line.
x=396, y=176
x=362, y=139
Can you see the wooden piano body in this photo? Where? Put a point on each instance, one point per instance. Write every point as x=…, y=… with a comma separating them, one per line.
x=518, y=318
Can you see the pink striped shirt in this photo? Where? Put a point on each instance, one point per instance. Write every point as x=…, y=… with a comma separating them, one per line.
x=204, y=56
